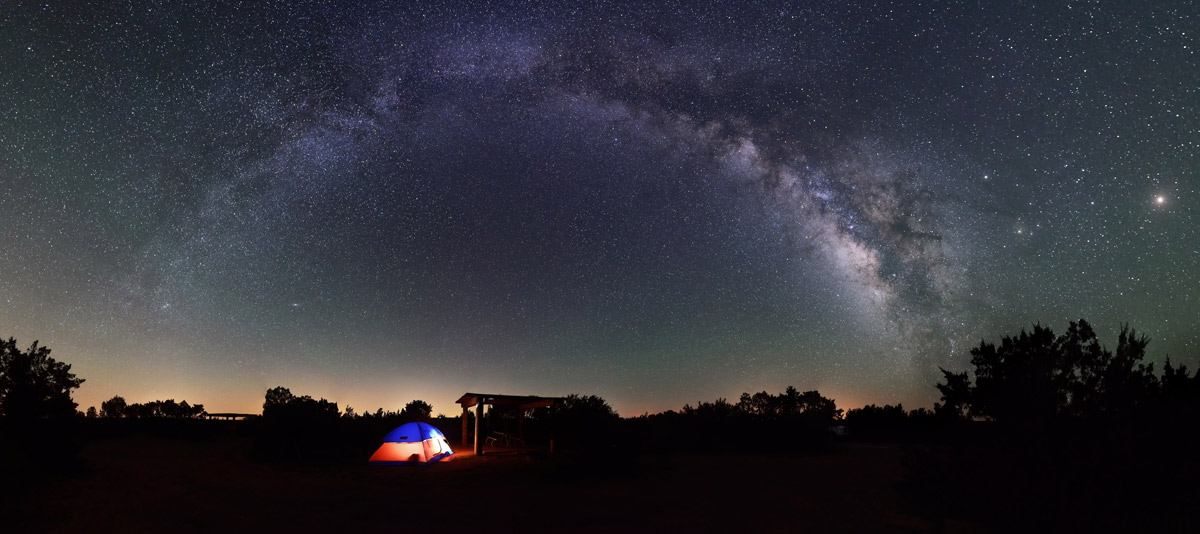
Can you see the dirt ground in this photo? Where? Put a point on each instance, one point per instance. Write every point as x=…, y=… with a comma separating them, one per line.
x=149, y=484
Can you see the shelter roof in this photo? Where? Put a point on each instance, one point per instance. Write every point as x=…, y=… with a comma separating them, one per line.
x=523, y=402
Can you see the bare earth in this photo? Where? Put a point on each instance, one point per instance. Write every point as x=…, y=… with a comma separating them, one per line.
x=148, y=484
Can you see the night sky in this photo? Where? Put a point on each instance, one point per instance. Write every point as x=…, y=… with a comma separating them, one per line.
x=658, y=205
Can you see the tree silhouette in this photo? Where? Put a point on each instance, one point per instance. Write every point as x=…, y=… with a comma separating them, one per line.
x=717, y=410
x=286, y=416
x=584, y=421
x=873, y=422
x=812, y=405
x=1036, y=376
x=877, y=415
x=584, y=407
x=794, y=421
x=761, y=404
x=956, y=396
x=159, y=409
x=276, y=397
x=790, y=403
x=418, y=410
x=1080, y=436
x=33, y=385
x=1024, y=378
x=281, y=404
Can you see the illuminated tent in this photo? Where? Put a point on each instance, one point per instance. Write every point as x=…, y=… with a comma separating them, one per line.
x=412, y=444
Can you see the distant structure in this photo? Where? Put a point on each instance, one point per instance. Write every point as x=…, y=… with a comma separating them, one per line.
x=230, y=416
x=521, y=402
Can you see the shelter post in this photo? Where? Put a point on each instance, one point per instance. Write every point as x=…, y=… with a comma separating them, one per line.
x=522, y=403
x=479, y=427
x=465, y=436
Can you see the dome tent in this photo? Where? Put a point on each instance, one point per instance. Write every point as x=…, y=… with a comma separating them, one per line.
x=412, y=444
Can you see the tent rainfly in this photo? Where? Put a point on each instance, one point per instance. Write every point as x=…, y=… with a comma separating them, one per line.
x=412, y=444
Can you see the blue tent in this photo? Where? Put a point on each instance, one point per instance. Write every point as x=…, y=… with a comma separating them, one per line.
x=412, y=444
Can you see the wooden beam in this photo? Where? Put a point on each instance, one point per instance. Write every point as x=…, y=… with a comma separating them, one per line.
x=465, y=435
x=479, y=427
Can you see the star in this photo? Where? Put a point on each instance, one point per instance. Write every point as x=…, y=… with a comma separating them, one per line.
x=582, y=205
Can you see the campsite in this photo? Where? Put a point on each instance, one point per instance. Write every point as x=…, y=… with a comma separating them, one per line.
x=687, y=266
x=786, y=462
x=143, y=483
x=990, y=456
x=884, y=470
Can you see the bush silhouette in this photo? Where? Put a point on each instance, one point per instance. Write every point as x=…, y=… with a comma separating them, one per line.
x=38, y=421
x=1036, y=376
x=33, y=385
x=298, y=429
x=1075, y=435
x=417, y=410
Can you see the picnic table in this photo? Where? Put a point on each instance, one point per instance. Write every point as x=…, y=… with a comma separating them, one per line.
x=505, y=439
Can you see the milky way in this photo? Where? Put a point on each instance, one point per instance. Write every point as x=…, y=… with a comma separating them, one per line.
x=658, y=205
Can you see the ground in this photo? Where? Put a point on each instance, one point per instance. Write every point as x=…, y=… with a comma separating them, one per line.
x=153, y=484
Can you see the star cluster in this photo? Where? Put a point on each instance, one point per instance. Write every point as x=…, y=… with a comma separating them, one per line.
x=657, y=204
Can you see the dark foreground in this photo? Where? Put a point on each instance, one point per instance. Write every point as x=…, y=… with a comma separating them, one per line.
x=156, y=484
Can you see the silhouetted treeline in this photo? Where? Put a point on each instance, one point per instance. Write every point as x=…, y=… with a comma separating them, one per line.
x=1042, y=383
x=117, y=408
x=297, y=429
x=889, y=423
x=577, y=422
x=1054, y=433
x=417, y=410
x=1037, y=378
x=759, y=423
